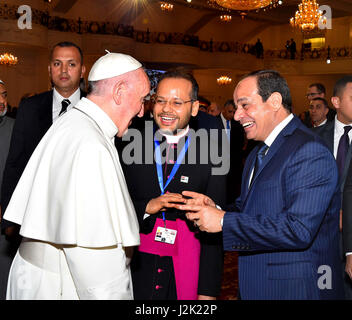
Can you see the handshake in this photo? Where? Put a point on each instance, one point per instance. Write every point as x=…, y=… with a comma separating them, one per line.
x=199, y=208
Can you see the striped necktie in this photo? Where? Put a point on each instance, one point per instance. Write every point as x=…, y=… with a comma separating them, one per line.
x=259, y=160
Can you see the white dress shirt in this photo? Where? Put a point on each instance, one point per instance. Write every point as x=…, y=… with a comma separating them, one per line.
x=339, y=131
x=272, y=136
x=57, y=99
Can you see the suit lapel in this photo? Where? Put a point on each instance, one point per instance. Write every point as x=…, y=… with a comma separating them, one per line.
x=274, y=148
x=328, y=135
x=45, y=112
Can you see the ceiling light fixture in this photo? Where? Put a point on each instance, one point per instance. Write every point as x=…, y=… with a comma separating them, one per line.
x=165, y=6
x=245, y=5
x=224, y=80
x=307, y=16
x=226, y=18
x=8, y=59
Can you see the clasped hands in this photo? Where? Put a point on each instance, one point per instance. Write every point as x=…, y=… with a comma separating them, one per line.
x=199, y=208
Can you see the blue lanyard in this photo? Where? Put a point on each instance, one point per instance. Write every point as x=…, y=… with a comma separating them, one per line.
x=174, y=169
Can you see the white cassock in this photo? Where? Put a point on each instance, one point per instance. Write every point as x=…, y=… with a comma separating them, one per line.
x=75, y=212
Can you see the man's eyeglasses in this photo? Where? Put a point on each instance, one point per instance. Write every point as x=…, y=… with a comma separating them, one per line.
x=176, y=103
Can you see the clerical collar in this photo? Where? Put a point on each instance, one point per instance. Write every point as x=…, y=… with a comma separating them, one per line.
x=175, y=138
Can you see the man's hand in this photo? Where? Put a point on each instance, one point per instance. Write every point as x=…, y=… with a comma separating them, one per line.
x=198, y=199
x=202, y=297
x=348, y=267
x=205, y=217
x=165, y=201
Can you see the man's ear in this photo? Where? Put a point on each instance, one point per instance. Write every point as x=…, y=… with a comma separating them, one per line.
x=83, y=71
x=336, y=102
x=117, y=91
x=326, y=111
x=195, y=108
x=275, y=100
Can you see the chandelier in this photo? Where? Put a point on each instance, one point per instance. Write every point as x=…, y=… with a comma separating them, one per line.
x=307, y=16
x=226, y=18
x=165, y=6
x=246, y=5
x=223, y=80
x=8, y=59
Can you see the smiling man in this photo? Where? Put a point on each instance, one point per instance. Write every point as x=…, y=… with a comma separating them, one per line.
x=174, y=260
x=285, y=222
x=36, y=114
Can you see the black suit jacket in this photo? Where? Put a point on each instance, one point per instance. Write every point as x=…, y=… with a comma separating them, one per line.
x=34, y=118
x=326, y=132
x=142, y=182
x=234, y=177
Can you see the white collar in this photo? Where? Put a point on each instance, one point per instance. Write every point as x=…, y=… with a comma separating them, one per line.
x=339, y=126
x=273, y=134
x=99, y=116
x=74, y=97
x=175, y=138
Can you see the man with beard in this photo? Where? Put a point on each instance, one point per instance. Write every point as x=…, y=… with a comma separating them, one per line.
x=175, y=260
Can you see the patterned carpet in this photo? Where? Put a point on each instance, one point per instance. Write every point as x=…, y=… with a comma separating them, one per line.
x=230, y=278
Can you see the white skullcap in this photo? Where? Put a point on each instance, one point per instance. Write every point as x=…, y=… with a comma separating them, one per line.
x=112, y=65
x=2, y=82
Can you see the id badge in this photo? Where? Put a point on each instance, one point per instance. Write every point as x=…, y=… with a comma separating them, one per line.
x=165, y=235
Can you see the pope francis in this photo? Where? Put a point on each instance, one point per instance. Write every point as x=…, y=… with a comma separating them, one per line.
x=77, y=220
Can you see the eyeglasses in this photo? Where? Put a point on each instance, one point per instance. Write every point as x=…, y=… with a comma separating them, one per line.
x=176, y=103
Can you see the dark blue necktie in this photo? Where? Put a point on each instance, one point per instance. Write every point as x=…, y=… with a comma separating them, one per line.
x=259, y=160
x=344, y=144
x=64, y=104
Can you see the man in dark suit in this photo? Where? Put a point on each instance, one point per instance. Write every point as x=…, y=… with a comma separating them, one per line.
x=36, y=114
x=316, y=90
x=337, y=134
x=235, y=139
x=285, y=224
x=190, y=265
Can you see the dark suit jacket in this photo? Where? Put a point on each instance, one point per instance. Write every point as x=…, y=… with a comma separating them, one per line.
x=286, y=224
x=326, y=132
x=34, y=118
x=234, y=176
x=142, y=182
